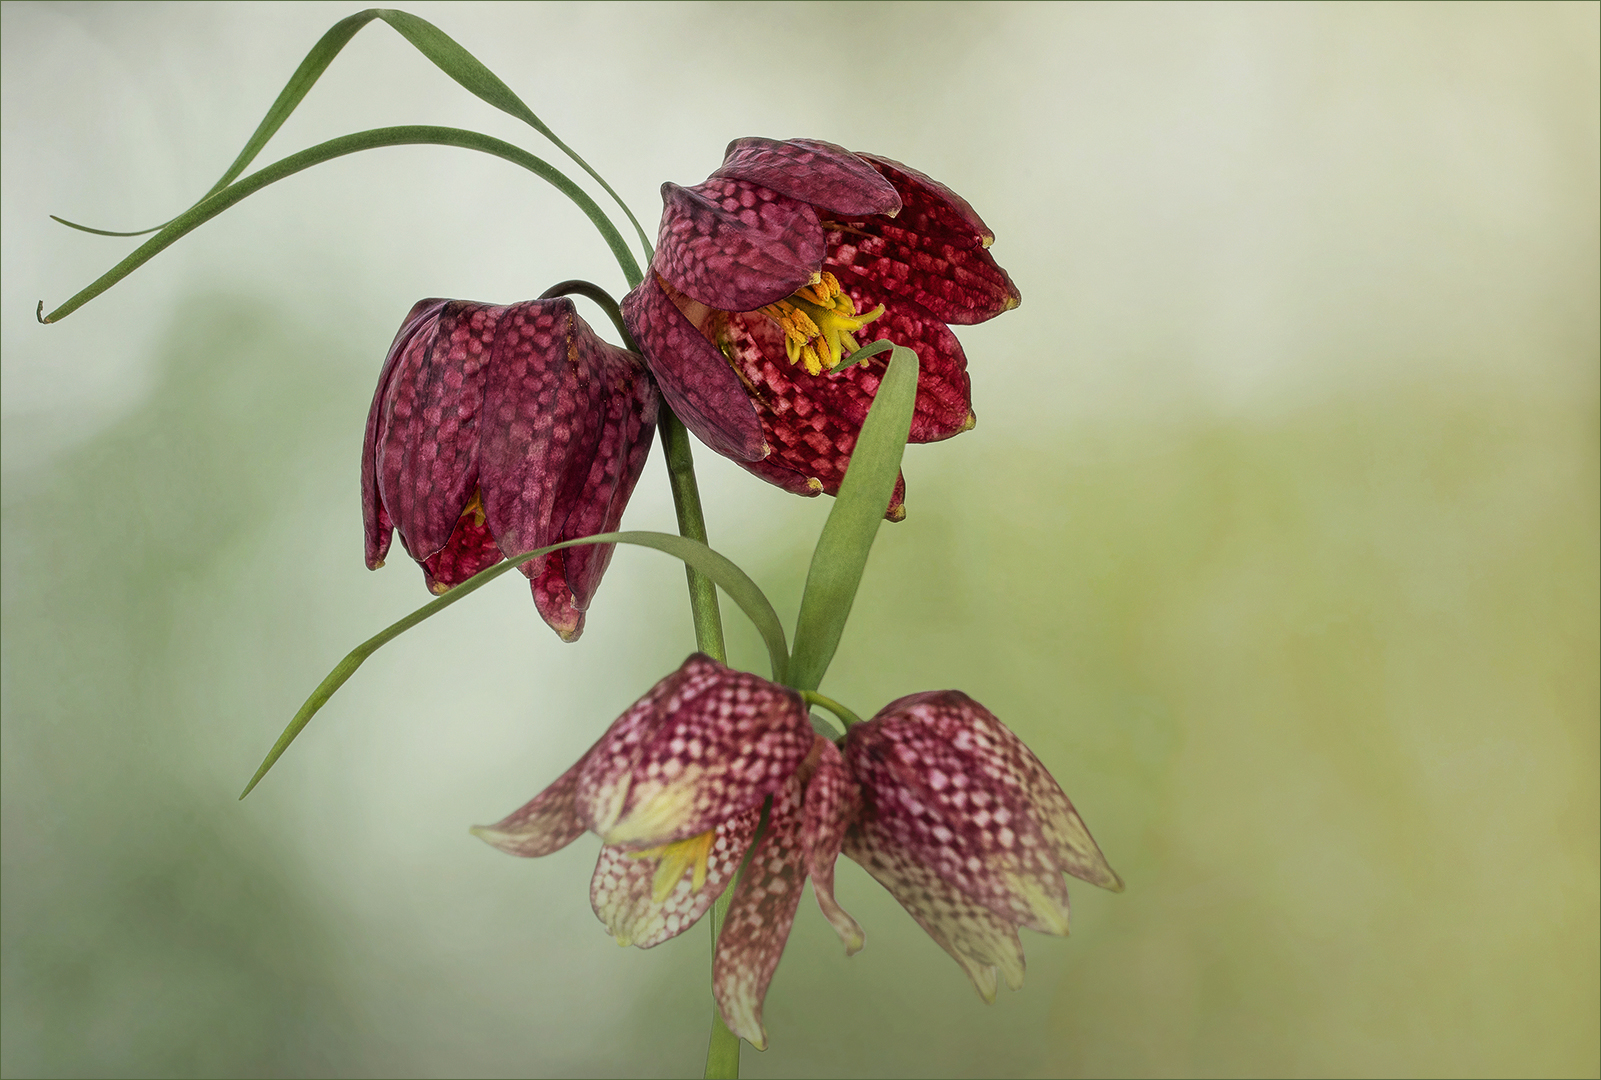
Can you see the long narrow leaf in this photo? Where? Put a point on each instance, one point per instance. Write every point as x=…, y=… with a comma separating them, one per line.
x=734, y=581
x=847, y=537
x=432, y=42
x=209, y=208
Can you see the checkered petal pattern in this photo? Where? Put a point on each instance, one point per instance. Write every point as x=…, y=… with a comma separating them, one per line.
x=775, y=215
x=964, y=825
x=498, y=429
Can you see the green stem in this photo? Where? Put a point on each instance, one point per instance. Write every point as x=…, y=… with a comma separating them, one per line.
x=680, y=475
x=722, y=1051
x=845, y=715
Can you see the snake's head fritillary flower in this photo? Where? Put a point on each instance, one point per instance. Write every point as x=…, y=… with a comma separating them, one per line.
x=677, y=789
x=791, y=256
x=962, y=823
x=499, y=429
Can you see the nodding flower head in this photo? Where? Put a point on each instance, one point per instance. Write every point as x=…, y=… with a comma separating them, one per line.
x=962, y=823
x=789, y=258
x=496, y=430
x=678, y=789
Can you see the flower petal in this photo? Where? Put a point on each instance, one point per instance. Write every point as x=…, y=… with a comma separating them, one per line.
x=734, y=245
x=621, y=890
x=832, y=803
x=944, y=394
x=628, y=425
x=930, y=208
x=471, y=548
x=812, y=171
x=705, y=744
x=810, y=422
x=547, y=823
x=992, y=748
x=427, y=437
x=976, y=937
x=759, y=917
x=694, y=377
x=564, y=421
x=933, y=252
x=955, y=788
x=421, y=321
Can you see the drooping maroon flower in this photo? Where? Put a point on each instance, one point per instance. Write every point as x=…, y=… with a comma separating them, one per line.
x=499, y=429
x=968, y=831
x=675, y=789
x=789, y=257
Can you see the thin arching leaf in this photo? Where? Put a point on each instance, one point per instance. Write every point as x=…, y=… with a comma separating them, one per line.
x=729, y=577
x=438, y=46
x=209, y=208
x=847, y=537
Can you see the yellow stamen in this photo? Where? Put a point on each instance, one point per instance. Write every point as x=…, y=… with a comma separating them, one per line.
x=676, y=857
x=818, y=321
x=475, y=507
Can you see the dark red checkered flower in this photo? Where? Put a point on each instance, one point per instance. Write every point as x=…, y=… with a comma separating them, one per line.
x=497, y=430
x=967, y=830
x=675, y=790
x=789, y=257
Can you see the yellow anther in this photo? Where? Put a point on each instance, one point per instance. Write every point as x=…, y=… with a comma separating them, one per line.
x=475, y=507
x=680, y=855
x=818, y=321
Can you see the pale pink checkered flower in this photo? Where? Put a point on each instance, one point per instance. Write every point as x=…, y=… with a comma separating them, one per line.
x=968, y=831
x=676, y=790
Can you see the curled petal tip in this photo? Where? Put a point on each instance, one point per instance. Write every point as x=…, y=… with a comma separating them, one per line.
x=971, y=422
x=897, y=513
x=377, y=564
x=1012, y=301
x=1116, y=884
x=439, y=588
x=490, y=835
x=814, y=485
x=986, y=240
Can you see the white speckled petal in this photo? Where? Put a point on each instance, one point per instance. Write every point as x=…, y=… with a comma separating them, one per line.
x=717, y=743
x=976, y=937
x=547, y=823
x=832, y=803
x=759, y=917
x=620, y=891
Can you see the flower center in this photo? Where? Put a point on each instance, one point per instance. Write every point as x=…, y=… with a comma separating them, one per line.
x=676, y=857
x=818, y=321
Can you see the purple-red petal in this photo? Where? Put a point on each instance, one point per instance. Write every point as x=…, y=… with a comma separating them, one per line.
x=420, y=321
x=734, y=245
x=812, y=171
x=694, y=376
x=427, y=437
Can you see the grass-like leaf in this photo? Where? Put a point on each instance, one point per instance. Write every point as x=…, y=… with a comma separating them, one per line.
x=847, y=537
x=436, y=45
x=210, y=207
x=729, y=577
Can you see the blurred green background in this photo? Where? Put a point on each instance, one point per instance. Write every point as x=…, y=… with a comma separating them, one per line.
x=1277, y=541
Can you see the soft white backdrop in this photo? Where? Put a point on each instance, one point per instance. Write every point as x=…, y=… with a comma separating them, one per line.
x=1343, y=254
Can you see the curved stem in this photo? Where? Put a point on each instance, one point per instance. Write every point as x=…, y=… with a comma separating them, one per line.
x=846, y=717
x=591, y=291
